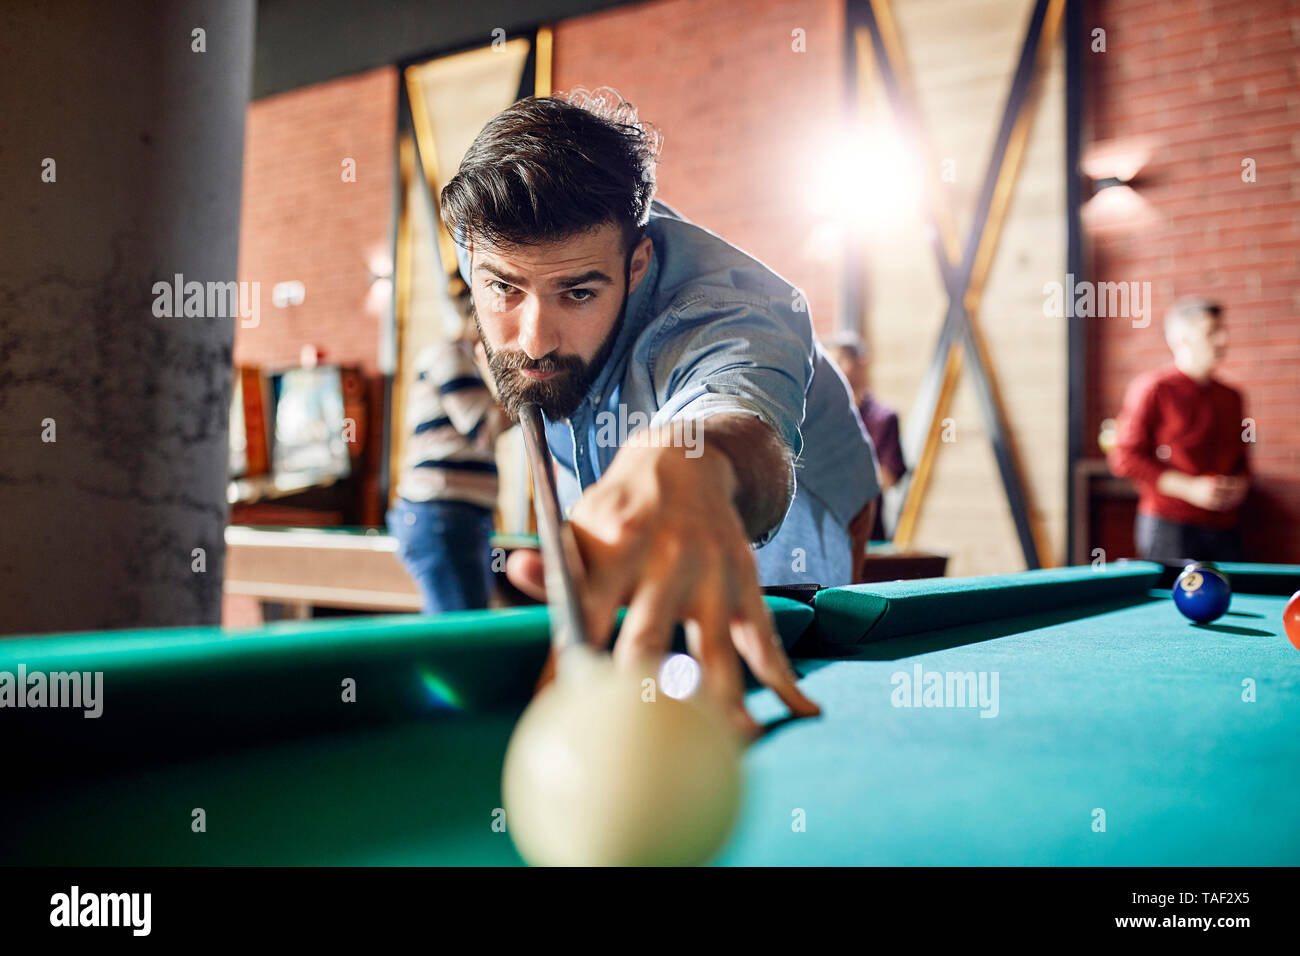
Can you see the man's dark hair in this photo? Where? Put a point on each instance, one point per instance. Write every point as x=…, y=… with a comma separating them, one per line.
x=549, y=168
x=846, y=341
x=1185, y=310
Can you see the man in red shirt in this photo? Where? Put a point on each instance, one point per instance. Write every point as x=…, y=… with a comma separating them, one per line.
x=1180, y=441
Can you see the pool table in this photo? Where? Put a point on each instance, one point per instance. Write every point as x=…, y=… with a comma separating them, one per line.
x=358, y=569
x=1059, y=717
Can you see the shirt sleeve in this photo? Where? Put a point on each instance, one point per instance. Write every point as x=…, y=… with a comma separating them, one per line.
x=1134, y=454
x=733, y=357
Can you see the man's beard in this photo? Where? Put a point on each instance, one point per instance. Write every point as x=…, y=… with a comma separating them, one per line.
x=558, y=396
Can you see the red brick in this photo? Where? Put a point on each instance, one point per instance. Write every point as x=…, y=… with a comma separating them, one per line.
x=1237, y=241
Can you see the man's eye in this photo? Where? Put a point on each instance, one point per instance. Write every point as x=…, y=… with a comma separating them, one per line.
x=500, y=287
x=585, y=293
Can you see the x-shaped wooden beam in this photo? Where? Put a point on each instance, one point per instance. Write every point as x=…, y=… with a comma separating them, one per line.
x=964, y=280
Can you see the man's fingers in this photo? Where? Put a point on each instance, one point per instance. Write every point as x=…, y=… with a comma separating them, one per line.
x=742, y=725
x=647, y=629
x=754, y=633
x=602, y=587
x=724, y=684
x=1229, y=491
x=766, y=658
x=755, y=636
x=524, y=570
x=1222, y=498
x=708, y=638
x=527, y=571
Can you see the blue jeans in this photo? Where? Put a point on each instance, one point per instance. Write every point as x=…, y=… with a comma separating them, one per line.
x=446, y=547
x=1169, y=542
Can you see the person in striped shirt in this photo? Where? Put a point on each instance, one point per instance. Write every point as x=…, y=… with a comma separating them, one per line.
x=442, y=518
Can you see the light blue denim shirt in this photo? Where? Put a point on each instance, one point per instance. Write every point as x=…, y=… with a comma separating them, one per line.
x=713, y=331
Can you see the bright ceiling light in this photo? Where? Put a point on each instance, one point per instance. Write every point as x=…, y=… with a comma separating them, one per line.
x=866, y=181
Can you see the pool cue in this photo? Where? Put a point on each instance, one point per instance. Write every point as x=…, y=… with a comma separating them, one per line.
x=559, y=557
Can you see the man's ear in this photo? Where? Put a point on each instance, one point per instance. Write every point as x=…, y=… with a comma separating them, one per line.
x=640, y=263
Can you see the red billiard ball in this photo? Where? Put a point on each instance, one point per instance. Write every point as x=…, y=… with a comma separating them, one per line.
x=1202, y=594
x=1291, y=619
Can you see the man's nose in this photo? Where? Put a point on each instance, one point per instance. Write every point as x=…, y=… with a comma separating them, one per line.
x=536, y=338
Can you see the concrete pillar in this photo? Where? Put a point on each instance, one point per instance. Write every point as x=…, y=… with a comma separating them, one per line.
x=120, y=168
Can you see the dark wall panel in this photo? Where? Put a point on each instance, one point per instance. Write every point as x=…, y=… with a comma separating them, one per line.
x=300, y=42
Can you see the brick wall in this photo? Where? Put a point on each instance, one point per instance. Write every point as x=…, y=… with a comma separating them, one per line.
x=1212, y=83
x=742, y=114
x=301, y=221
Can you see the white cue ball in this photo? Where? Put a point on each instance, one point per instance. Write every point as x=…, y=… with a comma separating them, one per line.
x=597, y=776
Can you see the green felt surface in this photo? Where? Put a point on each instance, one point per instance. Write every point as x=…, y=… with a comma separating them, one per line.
x=238, y=723
x=1133, y=710
x=1121, y=706
x=416, y=793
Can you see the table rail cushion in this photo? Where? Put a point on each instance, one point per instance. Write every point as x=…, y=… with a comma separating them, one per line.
x=187, y=687
x=1275, y=579
x=863, y=613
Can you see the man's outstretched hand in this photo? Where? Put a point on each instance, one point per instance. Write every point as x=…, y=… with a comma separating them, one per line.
x=661, y=533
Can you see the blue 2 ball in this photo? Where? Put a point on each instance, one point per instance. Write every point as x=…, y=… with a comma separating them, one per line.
x=1202, y=594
